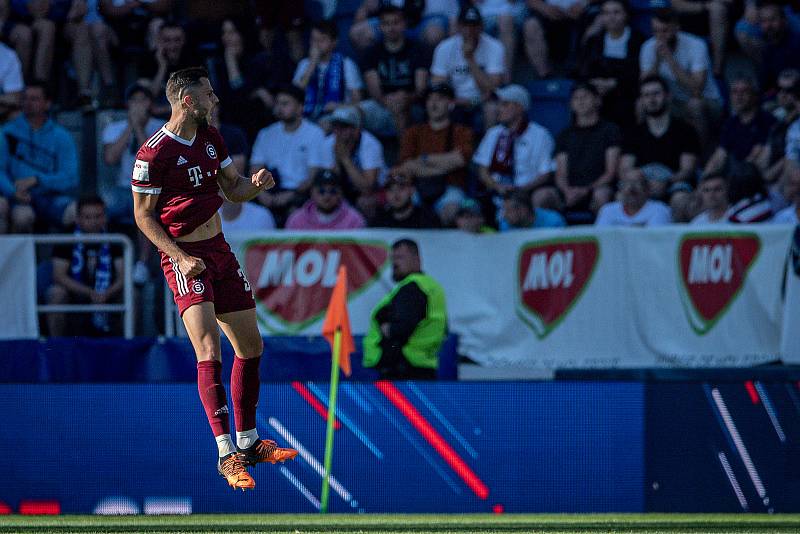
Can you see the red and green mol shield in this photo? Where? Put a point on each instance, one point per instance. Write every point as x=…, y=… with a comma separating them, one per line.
x=293, y=278
x=713, y=268
x=551, y=276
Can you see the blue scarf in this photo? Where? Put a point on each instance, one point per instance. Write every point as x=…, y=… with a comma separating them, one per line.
x=102, y=276
x=329, y=87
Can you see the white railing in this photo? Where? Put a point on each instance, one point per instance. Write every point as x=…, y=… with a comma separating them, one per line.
x=126, y=307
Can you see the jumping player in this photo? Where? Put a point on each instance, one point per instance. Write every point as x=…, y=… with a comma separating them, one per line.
x=176, y=183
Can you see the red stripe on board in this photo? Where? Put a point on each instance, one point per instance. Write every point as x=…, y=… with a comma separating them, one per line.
x=4, y=508
x=430, y=434
x=751, y=390
x=315, y=403
x=39, y=507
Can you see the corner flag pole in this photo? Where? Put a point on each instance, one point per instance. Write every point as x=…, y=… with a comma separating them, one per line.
x=337, y=347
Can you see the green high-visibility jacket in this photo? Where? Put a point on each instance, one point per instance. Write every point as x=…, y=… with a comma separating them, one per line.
x=422, y=348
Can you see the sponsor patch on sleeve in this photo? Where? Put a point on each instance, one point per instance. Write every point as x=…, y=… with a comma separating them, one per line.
x=141, y=171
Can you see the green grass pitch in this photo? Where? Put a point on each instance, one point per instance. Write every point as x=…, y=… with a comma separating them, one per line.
x=396, y=524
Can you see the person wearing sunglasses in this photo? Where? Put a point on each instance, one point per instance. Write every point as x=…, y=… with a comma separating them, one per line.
x=326, y=209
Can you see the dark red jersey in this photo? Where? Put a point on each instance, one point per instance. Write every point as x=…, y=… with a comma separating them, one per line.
x=184, y=175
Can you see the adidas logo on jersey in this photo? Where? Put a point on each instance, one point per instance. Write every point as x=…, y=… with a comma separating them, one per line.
x=181, y=160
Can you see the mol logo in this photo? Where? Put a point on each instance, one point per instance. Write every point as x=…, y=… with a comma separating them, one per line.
x=294, y=278
x=552, y=275
x=713, y=271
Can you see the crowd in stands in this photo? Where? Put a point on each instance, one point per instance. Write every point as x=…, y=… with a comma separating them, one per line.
x=420, y=113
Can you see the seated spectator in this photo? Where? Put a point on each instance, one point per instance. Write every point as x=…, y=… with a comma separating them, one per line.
x=469, y=218
x=436, y=154
x=683, y=61
x=750, y=201
x=472, y=62
x=769, y=39
x=713, y=190
x=517, y=153
x=86, y=273
x=135, y=23
x=428, y=21
x=43, y=165
x=396, y=72
x=245, y=217
x=39, y=65
x=662, y=142
x=91, y=39
x=328, y=78
x=610, y=61
x=171, y=54
x=11, y=82
x=286, y=19
x=354, y=154
x=790, y=214
x=400, y=210
x=771, y=158
x=19, y=37
x=503, y=19
x=634, y=207
x=327, y=209
x=550, y=31
x=745, y=132
x=290, y=149
x=587, y=154
x=519, y=214
x=707, y=19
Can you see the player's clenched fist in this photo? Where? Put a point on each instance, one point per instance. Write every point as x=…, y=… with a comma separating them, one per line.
x=191, y=266
x=263, y=179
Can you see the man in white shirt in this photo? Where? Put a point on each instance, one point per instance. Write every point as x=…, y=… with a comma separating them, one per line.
x=289, y=148
x=713, y=191
x=683, y=60
x=472, y=62
x=791, y=214
x=328, y=78
x=634, y=208
x=515, y=154
x=245, y=217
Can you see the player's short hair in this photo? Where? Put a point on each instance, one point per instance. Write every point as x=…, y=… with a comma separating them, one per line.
x=405, y=242
x=180, y=80
x=328, y=27
x=89, y=200
x=654, y=78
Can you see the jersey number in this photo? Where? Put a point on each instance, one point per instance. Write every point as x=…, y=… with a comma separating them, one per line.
x=195, y=175
x=244, y=279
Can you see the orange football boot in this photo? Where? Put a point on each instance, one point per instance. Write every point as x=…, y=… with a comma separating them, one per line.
x=233, y=469
x=266, y=451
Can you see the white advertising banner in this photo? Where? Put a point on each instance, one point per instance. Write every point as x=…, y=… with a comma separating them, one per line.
x=18, y=288
x=547, y=299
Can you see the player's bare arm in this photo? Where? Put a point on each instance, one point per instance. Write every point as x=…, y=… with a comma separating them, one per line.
x=144, y=212
x=238, y=188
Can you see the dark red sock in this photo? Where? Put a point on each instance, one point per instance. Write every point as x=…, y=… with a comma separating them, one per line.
x=245, y=384
x=212, y=395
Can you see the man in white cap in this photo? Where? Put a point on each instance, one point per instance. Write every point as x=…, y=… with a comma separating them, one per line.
x=516, y=154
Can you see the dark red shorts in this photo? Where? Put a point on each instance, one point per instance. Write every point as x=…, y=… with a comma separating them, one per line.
x=223, y=282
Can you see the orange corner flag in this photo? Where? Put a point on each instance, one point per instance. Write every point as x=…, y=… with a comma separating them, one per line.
x=336, y=318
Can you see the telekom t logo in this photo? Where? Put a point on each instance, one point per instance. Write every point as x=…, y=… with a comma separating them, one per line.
x=195, y=175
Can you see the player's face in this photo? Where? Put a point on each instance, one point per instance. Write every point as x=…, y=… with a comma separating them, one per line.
x=404, y=262
x=203, y=100
x=92, y=218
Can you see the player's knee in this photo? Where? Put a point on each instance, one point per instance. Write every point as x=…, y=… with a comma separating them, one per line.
x=253, y=349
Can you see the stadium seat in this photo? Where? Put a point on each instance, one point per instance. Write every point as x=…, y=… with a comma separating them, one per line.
x=550, y=103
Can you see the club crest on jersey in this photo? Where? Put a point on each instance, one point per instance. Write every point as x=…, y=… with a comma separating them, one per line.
x=198, y=287
x=211, y=151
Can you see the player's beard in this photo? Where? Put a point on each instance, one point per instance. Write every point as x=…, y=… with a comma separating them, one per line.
x=200, y=118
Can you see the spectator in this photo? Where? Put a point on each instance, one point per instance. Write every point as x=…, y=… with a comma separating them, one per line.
x=135, y=23
x=86, y=273
x=91, y=41
x=780, y=44
x=587, y=153
x=43, y=165
x=472, y=62
x=20, y=38
x=745, y=132
x=328, y=78
x=171, y=54
x=469, y=218
x=289, y=149
x=327, y=209
x=662, y=141
x=503, y=19
x=429, y=21
x=400, y=210
x=713, y=191
x=435, y=154
x=707, y=19
x=771, y=159
x=515, y=154
x=634, y=207
x=750, y=201
x=396, y=72
x=550, y=30
x=245, y=217
x=519, y=214
x=682, y=59
x=354, y=154
x=409, y=325
x=610, y=61
x=43, y=33
x=228, y=68
x=286, y=18
x=791, y=214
